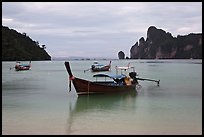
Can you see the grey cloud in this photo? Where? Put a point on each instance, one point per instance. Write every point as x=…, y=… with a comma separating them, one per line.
x=90, y=26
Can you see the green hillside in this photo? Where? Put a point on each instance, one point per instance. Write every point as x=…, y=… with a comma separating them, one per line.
x=19, y=47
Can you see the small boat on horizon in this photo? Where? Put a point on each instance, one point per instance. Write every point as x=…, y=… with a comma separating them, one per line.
x=20, y=67
x=97, y=67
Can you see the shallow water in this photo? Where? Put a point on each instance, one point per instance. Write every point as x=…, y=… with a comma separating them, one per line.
x=37, y=101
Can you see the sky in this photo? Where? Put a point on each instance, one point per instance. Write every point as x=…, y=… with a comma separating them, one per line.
x=98, y=29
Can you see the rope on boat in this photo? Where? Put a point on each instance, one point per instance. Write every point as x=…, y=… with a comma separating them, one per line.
x=88, y=86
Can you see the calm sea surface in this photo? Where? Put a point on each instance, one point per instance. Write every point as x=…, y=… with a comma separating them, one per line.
x=37, y=101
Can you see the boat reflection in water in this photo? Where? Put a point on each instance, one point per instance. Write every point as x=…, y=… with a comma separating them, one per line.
x=91, y=111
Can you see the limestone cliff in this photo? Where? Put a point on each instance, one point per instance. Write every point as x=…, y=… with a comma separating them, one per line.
x=121, y=55
x=162, y=45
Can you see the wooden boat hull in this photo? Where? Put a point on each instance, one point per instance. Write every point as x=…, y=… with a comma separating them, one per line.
x=105, y=68
x=21, y=68
x=88, y=87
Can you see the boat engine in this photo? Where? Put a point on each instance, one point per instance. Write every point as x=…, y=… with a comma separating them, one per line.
x=133, y=76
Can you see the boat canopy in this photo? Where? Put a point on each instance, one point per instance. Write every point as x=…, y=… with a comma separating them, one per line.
x=25, y=65
x=110, y=75
x=98, y=65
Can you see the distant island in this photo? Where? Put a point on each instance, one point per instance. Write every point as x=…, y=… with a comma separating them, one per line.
x=81, y=58
x=20, y=47
x=162, y=45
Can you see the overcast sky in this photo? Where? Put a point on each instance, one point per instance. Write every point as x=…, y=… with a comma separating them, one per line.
x=98, y=29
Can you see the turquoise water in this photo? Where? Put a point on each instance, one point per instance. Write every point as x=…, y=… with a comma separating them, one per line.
x=37, y=101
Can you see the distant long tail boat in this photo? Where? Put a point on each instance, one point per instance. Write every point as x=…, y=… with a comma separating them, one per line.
x=96, y=67
x=20, y=67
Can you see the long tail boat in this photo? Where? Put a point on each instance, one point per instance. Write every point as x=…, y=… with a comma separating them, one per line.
x=20, y=67
x=118, y=84
x=96, y=67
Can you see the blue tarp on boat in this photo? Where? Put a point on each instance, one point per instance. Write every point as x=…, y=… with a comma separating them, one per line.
x=110, y=76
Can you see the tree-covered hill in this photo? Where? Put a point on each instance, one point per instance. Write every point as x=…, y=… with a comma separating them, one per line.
x=19, y=47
